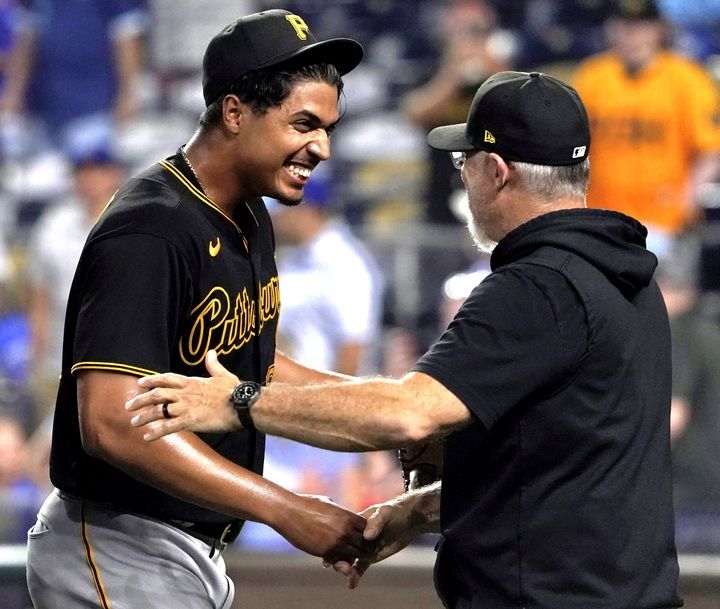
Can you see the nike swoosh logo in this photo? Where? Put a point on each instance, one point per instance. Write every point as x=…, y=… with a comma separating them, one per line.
x=214, y=248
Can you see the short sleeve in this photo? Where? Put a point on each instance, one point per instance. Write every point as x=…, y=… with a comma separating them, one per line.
x=134, y=292
x=516, y=338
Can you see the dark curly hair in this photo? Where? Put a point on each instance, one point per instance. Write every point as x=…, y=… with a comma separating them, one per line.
x=265, y=89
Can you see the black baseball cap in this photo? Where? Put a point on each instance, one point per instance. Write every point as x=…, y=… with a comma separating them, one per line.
x=526, y=117
x=267, y=39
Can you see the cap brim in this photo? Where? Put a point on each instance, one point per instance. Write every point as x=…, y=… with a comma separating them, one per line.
x=451, y=138
x=344, y=53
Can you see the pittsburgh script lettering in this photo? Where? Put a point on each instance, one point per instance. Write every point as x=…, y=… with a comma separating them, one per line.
x=225, y=324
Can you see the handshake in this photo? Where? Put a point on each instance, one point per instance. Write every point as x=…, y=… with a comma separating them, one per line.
x=351, y=542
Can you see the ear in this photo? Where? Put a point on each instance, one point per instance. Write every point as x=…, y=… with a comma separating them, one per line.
x=501, y=170
x=234, y=113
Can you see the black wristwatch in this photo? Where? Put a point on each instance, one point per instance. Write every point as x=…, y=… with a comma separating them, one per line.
x=242, y=397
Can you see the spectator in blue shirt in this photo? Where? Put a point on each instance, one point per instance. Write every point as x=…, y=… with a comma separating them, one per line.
x=77, y=62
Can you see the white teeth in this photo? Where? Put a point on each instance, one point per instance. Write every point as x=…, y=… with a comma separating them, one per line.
x=299, y=171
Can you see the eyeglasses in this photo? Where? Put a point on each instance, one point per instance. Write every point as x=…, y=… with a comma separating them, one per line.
x=458, y=158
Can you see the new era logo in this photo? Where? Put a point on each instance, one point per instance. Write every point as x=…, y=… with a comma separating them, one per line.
x=579, y=151
x=489, y=137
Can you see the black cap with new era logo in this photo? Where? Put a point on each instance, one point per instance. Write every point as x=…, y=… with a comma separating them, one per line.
x=526, y=117
x=267, y=39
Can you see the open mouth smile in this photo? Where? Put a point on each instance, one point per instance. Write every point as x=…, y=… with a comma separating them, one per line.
x=299, y=172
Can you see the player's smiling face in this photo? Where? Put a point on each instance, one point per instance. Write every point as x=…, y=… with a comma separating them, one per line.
x=284, y=145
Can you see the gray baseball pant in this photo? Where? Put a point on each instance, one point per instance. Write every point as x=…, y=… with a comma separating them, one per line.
x=87, y=555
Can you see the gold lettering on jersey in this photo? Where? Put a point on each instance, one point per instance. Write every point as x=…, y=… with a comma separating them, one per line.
x=226, y=324
x=300, y=27
x=269, y=301
x=240, y=328
x=214, y=248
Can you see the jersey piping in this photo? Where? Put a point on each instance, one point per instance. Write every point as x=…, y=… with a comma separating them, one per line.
x=92, y=563
x=113, y=366
x=206, y=200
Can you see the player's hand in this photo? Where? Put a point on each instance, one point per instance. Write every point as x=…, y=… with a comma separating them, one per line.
x=192, y=403
x=322, y=528
x=389, y=529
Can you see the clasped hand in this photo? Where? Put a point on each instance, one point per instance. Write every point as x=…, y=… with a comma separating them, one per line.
x=389, y=531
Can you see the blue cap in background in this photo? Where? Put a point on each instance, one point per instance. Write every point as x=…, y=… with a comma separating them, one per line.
x=318, y=190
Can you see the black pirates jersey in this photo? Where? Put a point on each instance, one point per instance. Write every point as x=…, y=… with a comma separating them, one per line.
x=165, y=276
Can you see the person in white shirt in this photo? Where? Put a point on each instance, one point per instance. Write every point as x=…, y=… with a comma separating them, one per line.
x=53, y=252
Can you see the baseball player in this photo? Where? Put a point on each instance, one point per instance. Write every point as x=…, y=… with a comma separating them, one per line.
x=550, y=388
x=181, y=262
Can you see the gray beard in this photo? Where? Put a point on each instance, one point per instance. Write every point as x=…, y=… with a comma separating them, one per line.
x=482, y=241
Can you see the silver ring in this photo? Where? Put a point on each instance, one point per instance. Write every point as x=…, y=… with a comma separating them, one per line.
x=165, y=412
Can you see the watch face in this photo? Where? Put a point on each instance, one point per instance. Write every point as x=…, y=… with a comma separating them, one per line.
x=243, y=396
x=245, y=392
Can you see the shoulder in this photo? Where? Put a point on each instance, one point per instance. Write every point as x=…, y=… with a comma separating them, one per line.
x=681, y=64
x=150, y=203
x=532, y=279
x=683, y=72
x=535, y=294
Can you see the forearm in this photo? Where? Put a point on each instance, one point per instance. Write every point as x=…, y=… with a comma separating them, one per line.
x=128, y=65
x=183, y=465
x=424, y=507
x=345, y=415
x=187, y=468
x=357, y=415
x=19, y=65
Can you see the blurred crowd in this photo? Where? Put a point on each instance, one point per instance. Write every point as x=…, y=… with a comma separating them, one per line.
x=377, y=261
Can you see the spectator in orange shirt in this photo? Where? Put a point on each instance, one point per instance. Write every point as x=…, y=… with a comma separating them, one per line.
x=655, y=123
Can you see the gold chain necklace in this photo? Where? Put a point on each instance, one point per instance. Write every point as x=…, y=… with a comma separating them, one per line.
x=189, y=164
